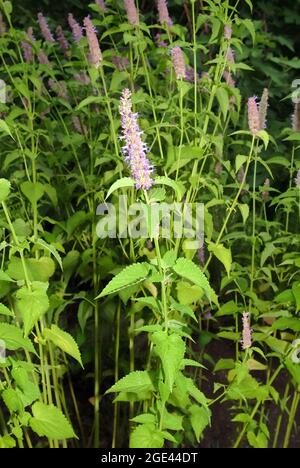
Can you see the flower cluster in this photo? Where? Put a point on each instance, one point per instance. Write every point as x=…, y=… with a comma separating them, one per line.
x=134, y=149
x=75, y=27
x=132, y=13
x=263, y=109
x=44, y=27
x=253, y=116
x=247, y=333
x=163, y=13
x=178, y=63
x=95, y=56
x=296, y=118
x=101, y=5
x=61, y=39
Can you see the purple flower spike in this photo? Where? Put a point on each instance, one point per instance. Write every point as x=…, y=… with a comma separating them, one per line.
x=178, y=63
x=75, y=27
x=45, y=30
x=95, y=56
x=101, y=5
x=163, y=13
x=253, y=116
x=132, y=14
x=134, y=149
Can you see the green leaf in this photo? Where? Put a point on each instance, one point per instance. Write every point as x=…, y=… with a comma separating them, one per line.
x=87, y=101
x=224, y=364
x=187, y=269
x=63, y=341
x=125, y=182
x=229, y=308
x=171, y=350
x=5, y=277
x=250, y=26
x=4, y=189
x=50, y=422
x=7, y=442
x=200, y=418
x=131, y=275
x=264, y=136
x=144, y=419
x=223, y=99
x=245, y=210
x=293, y=137
x=52, y=250
x=38, y=269
x=239, y=161
x=12, y=400
x=284, y=323
x=223, y=254
x=146, y=436
x=163, y=180
x=135, y=382
x=32, y=303
x=13, y=338
x=5, y=128
x=188, y=294
x=33, y=191
x=5, y=311
x=296, y=294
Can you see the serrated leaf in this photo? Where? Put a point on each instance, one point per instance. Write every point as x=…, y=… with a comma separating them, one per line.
x=146, y=436
x=13, y=338
x=52, y=250
x=49, y=421
x=171, y=350
x=223, y=254
x=200, y=419
x=144, y=419
x=33, y=191
x=63, y=341
x=5, y=128
x=223, y=99
x=135, y=382
x=12, y=400
x=130, y=276
x=4, y=189
x=187, y=269
x=5, y=311
x=32, y=303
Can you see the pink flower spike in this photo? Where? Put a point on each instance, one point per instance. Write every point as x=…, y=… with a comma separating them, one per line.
x=163, y=13
x=132, y=13
x=178, y=63
x=247, y=333
x=95, y=56
x=44, y=27
x=253, y=116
